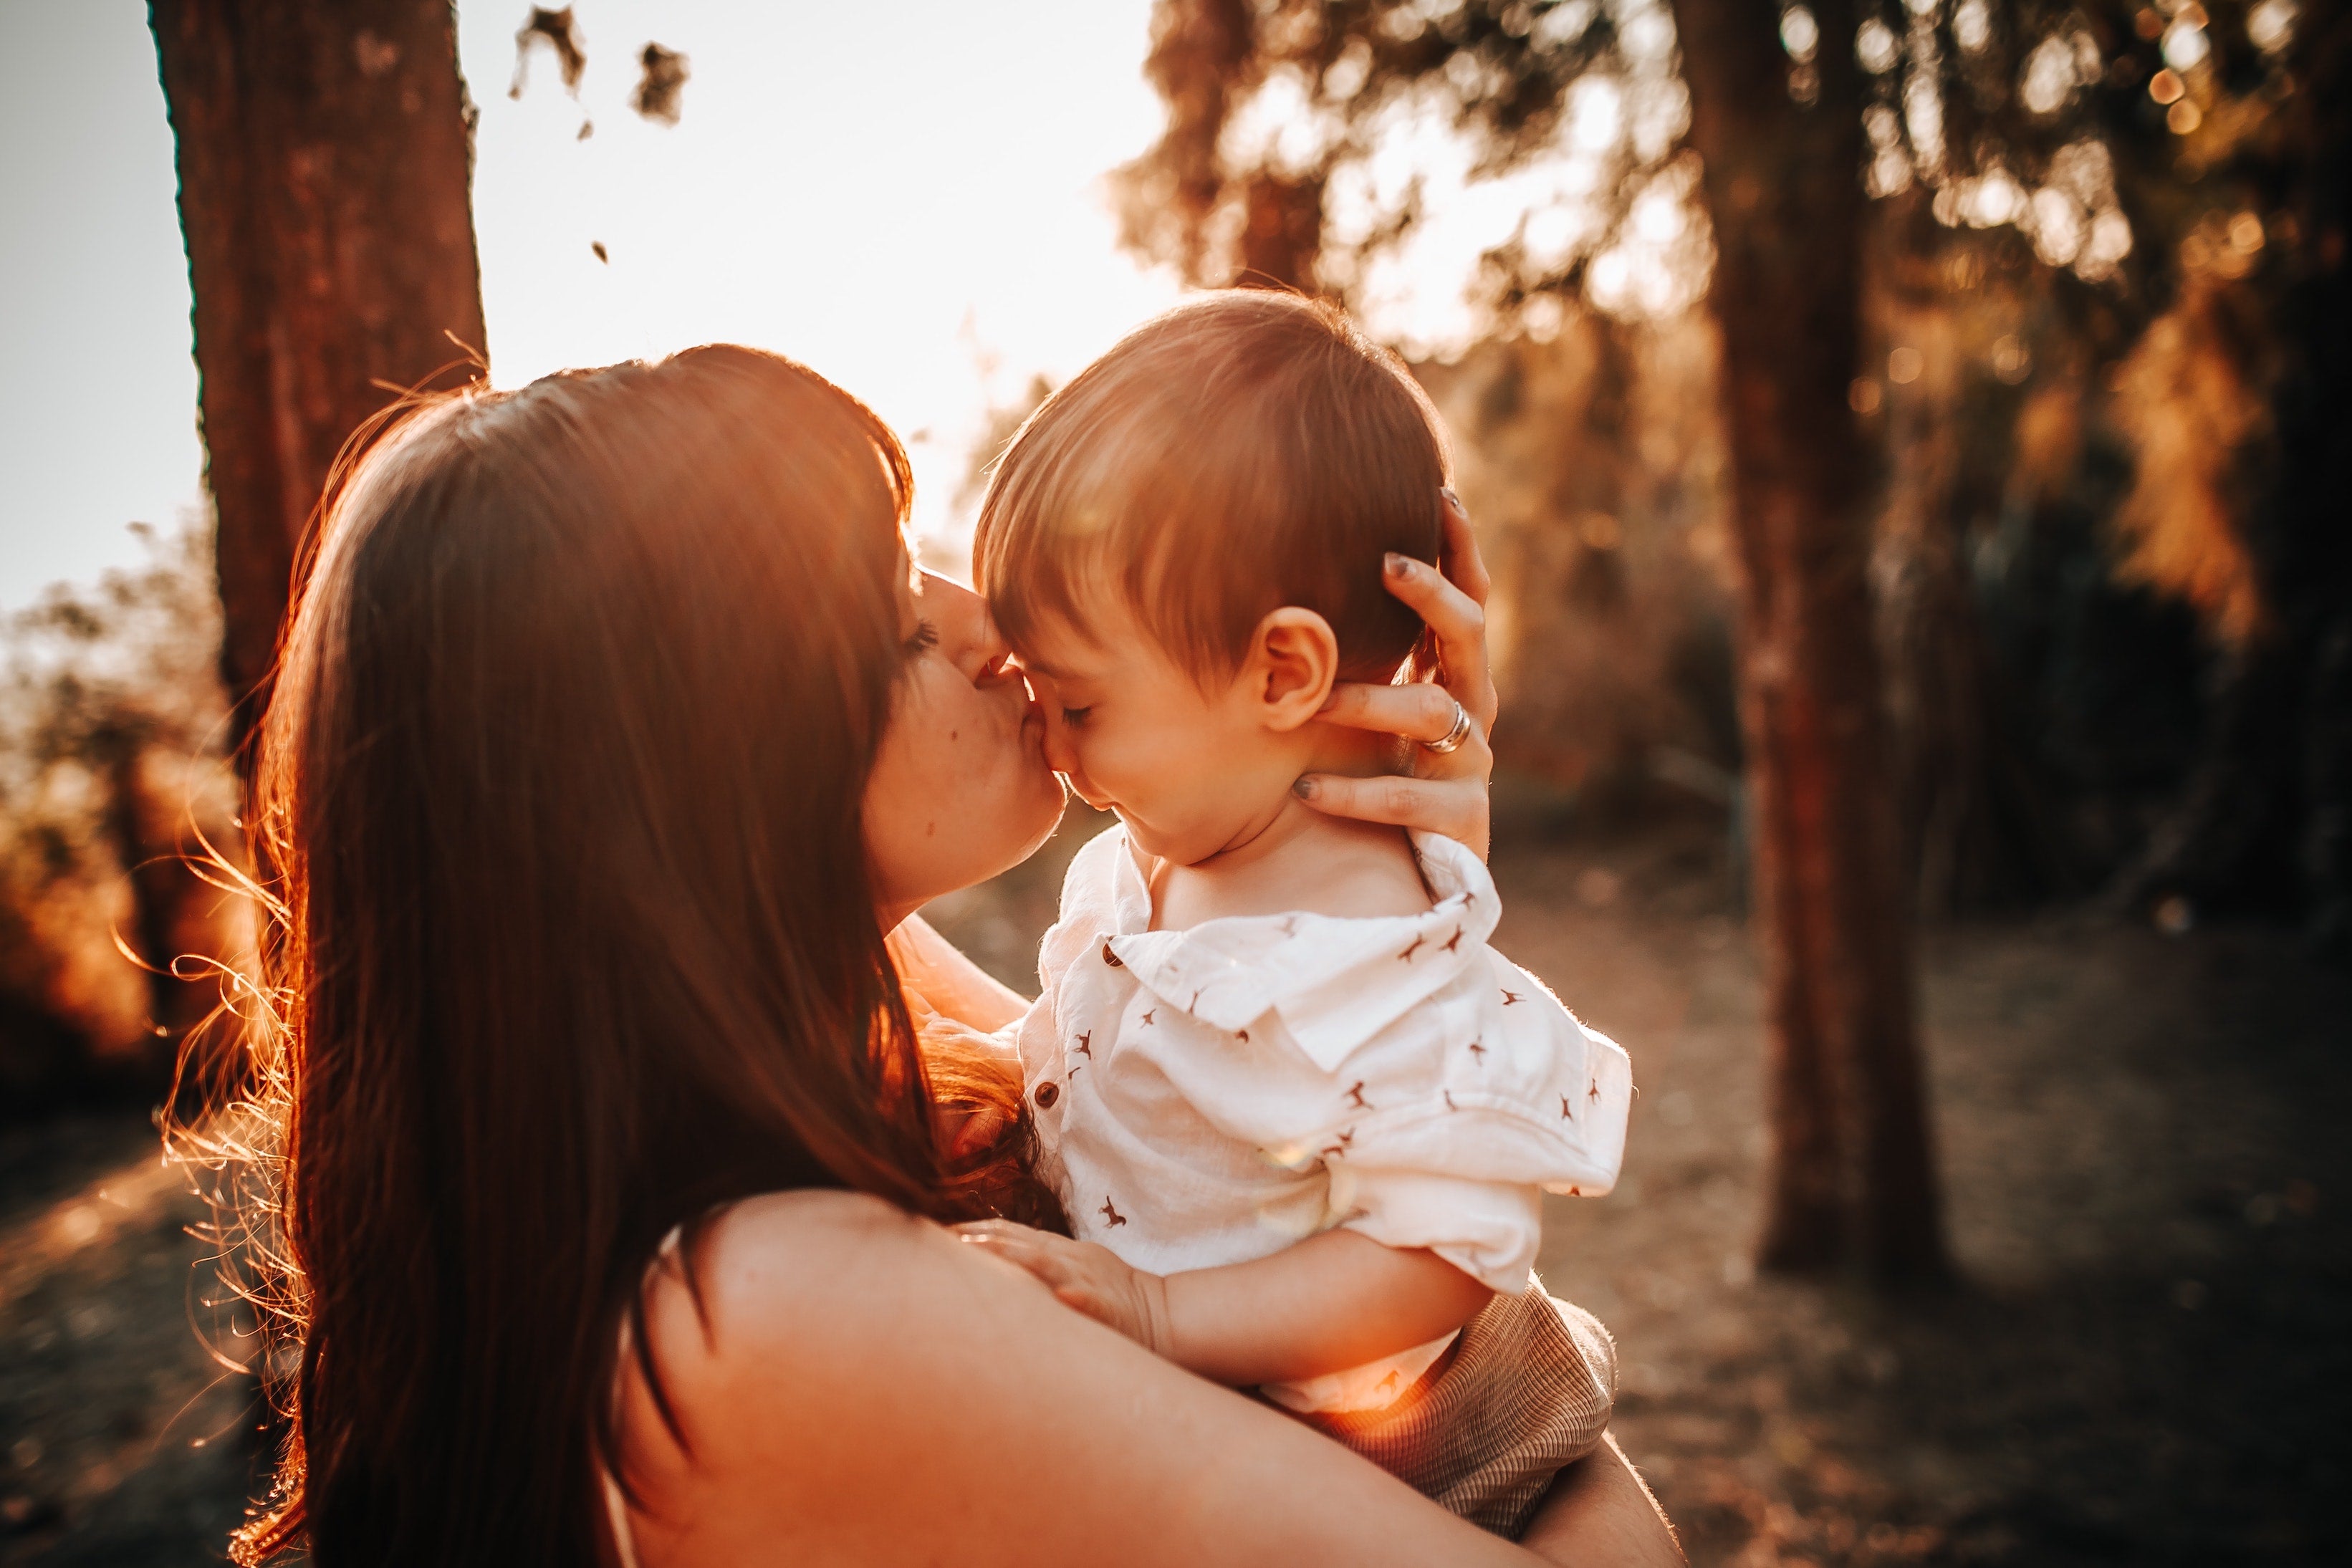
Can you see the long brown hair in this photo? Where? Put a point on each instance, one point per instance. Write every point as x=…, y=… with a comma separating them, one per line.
x=558, y=801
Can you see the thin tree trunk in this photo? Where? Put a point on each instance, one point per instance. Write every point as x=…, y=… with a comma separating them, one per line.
x=1852, y=1170
x=325, y=157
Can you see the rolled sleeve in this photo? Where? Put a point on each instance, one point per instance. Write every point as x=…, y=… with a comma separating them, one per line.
x=1489, y=1231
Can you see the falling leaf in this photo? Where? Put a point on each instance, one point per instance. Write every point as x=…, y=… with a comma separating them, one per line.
x=555, y=29
x=658, y=90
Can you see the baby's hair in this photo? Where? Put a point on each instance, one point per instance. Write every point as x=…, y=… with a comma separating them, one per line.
x=1245, y=451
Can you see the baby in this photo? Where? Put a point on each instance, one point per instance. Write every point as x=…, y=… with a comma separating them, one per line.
x=1300, y=1114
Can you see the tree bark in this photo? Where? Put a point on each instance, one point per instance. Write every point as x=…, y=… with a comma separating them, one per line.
x=1852, y=1172
x=325, y=158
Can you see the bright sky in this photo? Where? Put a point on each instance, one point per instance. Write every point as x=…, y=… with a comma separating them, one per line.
x=909, y=197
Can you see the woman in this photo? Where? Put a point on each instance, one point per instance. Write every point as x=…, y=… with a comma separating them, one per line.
x=612, y=735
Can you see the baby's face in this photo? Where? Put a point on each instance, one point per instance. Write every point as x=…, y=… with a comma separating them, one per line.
x=1188, y=764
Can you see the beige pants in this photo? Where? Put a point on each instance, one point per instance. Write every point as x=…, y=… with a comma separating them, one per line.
x=1525, y=1391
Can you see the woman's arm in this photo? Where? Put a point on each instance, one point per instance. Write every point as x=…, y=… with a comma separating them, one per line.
x=1600, y=1510
x=1331, y=1301
x=858, y=1387
x=935, y=970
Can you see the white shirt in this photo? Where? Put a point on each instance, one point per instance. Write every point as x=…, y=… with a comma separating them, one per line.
x=1211, y=1096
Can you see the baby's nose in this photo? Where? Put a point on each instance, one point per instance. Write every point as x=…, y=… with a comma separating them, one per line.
x=1061, y=755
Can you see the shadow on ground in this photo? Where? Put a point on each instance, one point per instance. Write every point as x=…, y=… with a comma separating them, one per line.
x=122, y=1440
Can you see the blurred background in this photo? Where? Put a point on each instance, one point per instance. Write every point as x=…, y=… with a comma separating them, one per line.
x=2085, y=413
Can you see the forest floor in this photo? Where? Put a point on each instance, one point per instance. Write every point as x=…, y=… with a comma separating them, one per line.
x=2145, y=1361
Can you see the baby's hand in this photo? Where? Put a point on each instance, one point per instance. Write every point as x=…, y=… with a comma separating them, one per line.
x=1084, y=1276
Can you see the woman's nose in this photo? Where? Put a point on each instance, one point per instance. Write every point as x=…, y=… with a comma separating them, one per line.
x=967, y=631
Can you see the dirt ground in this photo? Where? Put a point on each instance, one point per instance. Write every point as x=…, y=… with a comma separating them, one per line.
x=2148, y=1186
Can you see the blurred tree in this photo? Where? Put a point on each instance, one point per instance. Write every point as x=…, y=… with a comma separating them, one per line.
x=325, y=154
x=1779, y=178
x=2134, y=214
x=113, y=938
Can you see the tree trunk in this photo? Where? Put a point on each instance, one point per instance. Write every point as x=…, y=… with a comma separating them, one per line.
x=1852, y=1171
x=325, y=158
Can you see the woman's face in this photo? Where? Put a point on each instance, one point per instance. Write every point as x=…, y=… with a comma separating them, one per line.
x=960, y=789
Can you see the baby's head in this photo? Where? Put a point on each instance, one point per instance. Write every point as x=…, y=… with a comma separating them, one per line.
x=1185, y=545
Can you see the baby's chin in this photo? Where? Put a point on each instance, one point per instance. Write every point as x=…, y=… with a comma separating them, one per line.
x=1159, y=842
x=1188, y=844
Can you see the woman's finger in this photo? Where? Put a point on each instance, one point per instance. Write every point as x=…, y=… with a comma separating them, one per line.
x=1458, y=554
x=1420, y=712
x=1459, y=624
x=1041, y=1263
x=1455, y=807
x=1082, y=1299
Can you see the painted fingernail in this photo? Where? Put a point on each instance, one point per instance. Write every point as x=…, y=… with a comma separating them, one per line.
x=1399, y=565
x=1305, y=789
x=1452, y=500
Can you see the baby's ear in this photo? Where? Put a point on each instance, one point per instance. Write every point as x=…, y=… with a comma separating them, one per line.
x=1293, y=659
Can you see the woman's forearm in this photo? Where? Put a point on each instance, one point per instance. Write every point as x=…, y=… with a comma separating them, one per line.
x=936, y=970
x=1600, y=1511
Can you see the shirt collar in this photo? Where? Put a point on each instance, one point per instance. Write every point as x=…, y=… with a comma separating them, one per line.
x=1335, y=981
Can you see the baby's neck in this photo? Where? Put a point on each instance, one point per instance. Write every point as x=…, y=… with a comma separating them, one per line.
x=1299, y=860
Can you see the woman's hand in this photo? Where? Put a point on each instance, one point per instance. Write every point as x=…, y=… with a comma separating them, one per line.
x=1446, y=792
x=1084, y=1276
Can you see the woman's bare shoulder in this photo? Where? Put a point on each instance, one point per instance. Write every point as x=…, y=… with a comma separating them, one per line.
x=812, y=1270
x=848, y=1383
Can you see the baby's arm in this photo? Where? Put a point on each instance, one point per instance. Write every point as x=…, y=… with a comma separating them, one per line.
x=1332, y=1301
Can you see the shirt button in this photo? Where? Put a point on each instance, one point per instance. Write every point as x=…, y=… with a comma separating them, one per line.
x=1110, y=957
x=1047, y=1093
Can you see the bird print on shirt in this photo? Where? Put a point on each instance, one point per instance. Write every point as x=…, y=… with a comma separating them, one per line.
x=1356, y=1095
x=1454, y=942
x=1146, y=1023
x=1510, y=996
x=1086, y=1044
x=1406, y=957
x=1111, y=1214
x=1478, y=1051
x=1347, y=1141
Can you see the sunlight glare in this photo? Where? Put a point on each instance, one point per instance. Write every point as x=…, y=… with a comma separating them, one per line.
x=909, y=198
